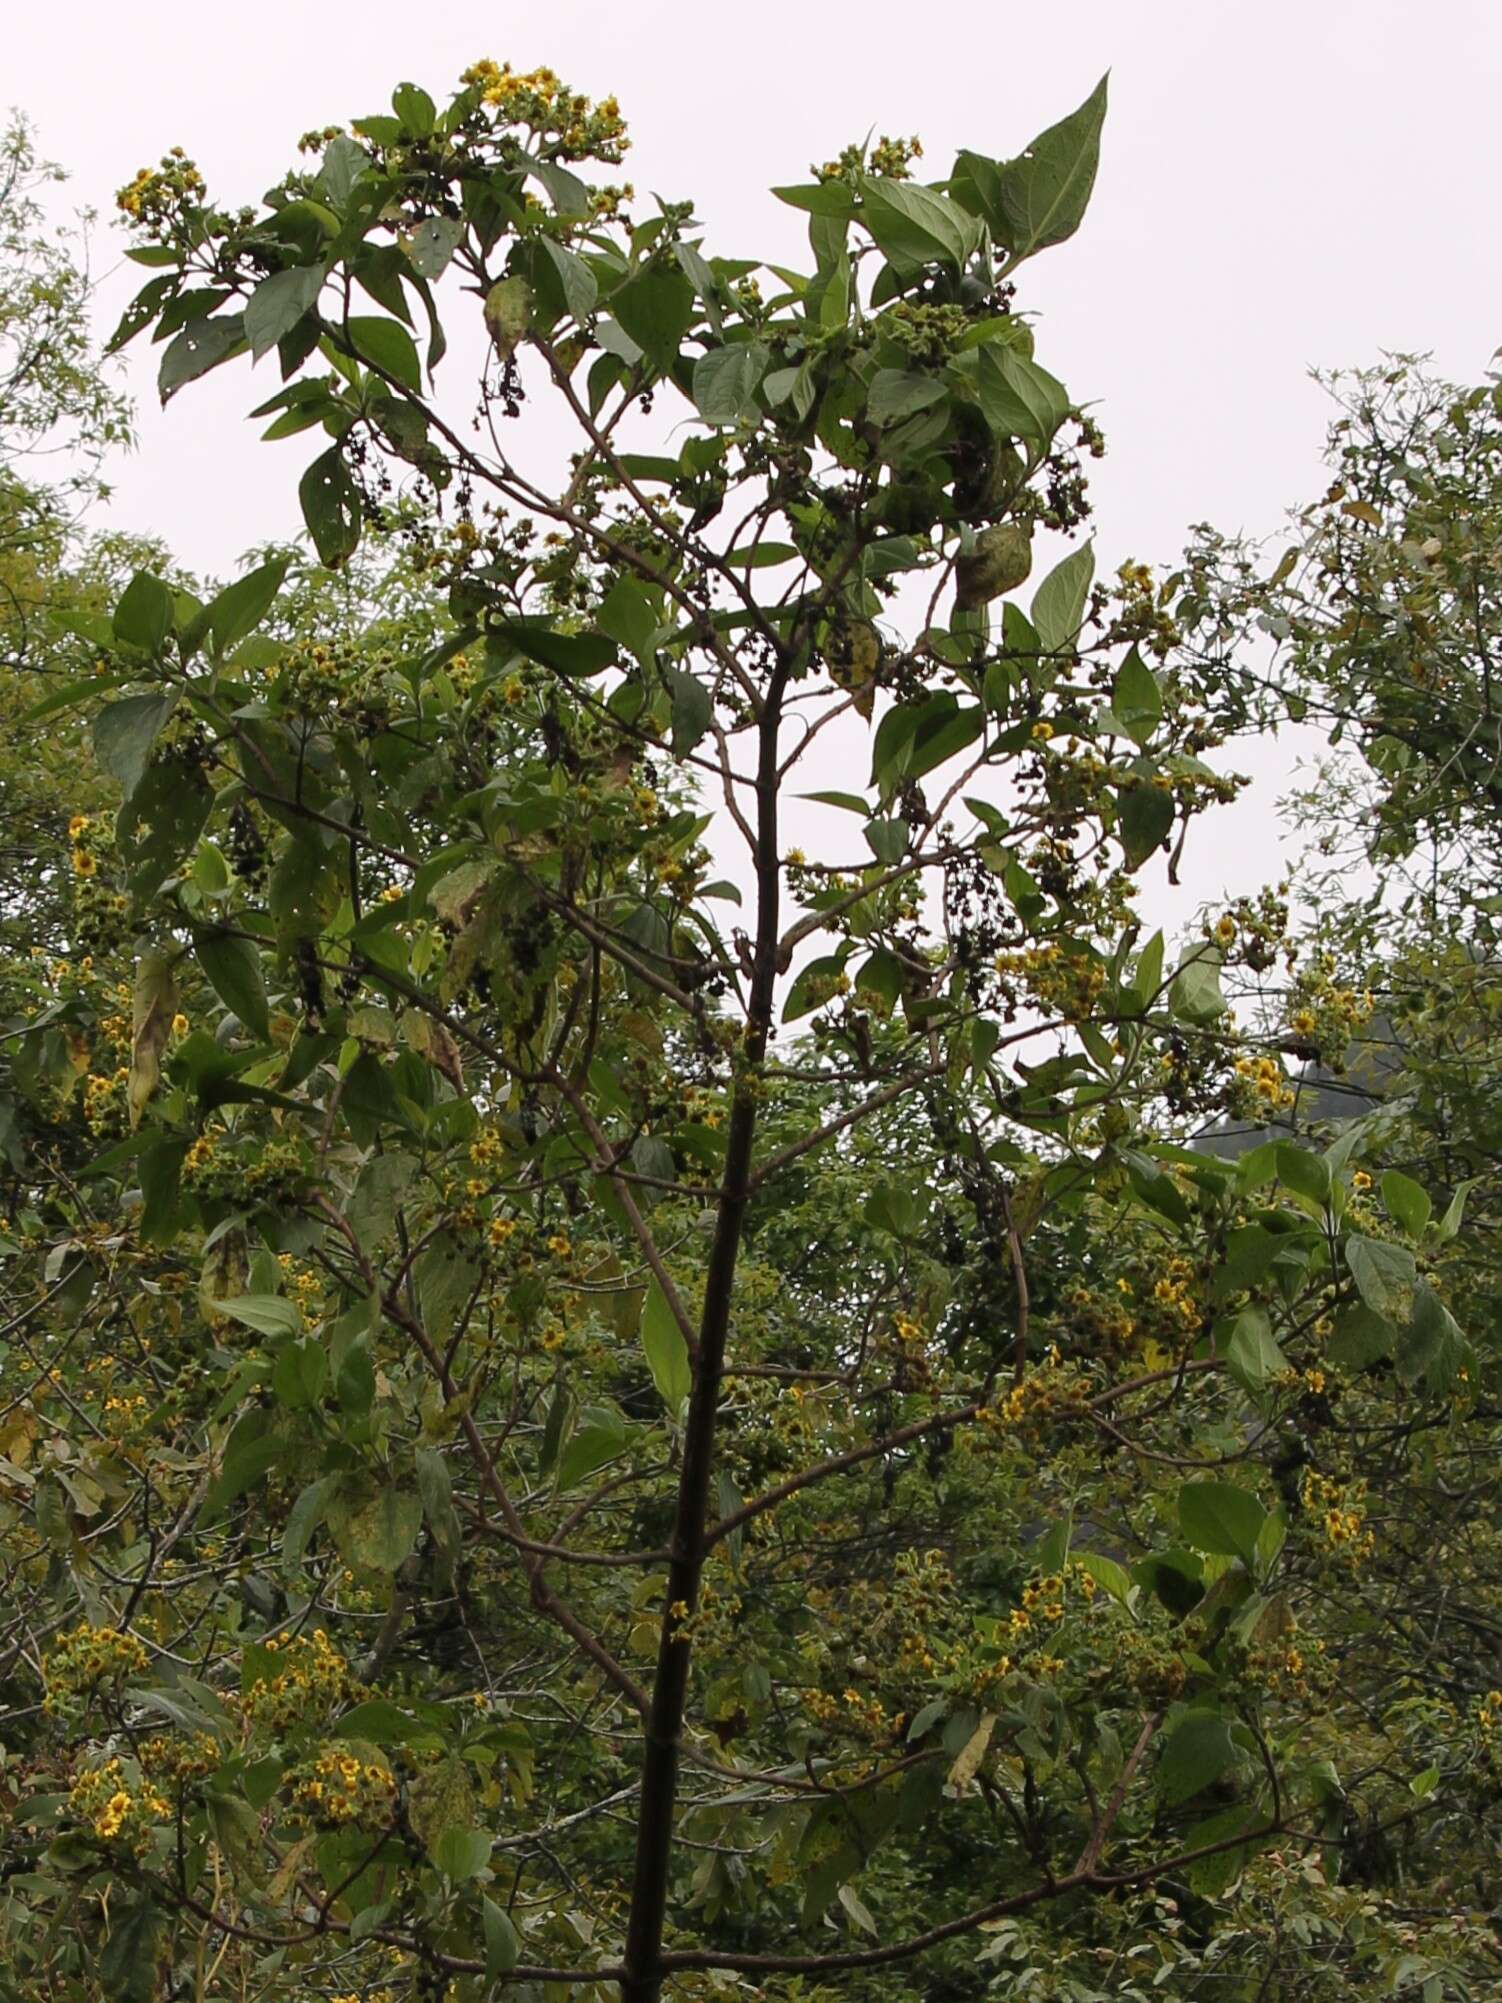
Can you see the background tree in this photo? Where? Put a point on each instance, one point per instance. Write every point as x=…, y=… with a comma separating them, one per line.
x=565, y=1440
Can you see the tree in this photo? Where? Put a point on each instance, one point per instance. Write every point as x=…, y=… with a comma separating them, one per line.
x=613, y=1440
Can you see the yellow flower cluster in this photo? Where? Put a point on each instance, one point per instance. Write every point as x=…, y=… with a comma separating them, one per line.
x=156, y=195
x=539, y=99
x=1068, y=983
x=338, y=1788
x=104, y=1098
x=83, y=1657
x=176, y=1761
x=1175, y=1293
x=117, y=1805
x=1049, y=1393
x=1340, y=1517
x=312, y=1677
x=891, y=157
x=1263, y=1083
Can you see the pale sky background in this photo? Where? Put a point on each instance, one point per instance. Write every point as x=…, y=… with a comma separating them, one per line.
x=1283, y=185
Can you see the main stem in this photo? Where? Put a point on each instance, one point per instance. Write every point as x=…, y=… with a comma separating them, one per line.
x=642, y=1981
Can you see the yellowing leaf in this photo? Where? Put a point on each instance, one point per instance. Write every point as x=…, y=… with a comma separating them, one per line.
x=151, y=1023
x=967, y=1765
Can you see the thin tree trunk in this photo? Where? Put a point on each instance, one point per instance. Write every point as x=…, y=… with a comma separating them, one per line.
x=642, y=1981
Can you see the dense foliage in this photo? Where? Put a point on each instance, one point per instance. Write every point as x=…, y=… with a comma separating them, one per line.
x=596, y=1405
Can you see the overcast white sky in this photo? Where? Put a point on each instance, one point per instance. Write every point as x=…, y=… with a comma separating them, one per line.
x=1283, y=185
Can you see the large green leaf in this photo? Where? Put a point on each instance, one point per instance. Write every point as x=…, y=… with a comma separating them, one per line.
x=125, y=732
x=914, y=226
x=388, y=345
x=1199, y=1750
x=1384, y=1276
x=375, y=1526
x=1043, y=194
x=233, y=968
x=599, y=1436
x=331, y=507
x=1059, y=602
x=1136, y=699
x=143, y=617
x=1017, y=398
x=665, y=1349
x=278, y=303
x=202, y=345
x=267, y=1314
x=240, y=607
x=725, y=381
x=1220, y=1517
x=656, y=308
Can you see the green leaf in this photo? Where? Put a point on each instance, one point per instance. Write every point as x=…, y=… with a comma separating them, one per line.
x=374, y=1527
x=436, y=1489
x=344, y=161
x=502, y=1943
x=1197, y=1753
x=124, y=733
x=462, y=1854
x=725, y=381
x=1304, y=1172
x=1043, y=193
x=233, y=969
x=666, y=1351
x=1218, y=1516
x=431, y=246
x=1136, y=698
x=304, y=1518
x=1108, y=1574
x=331, y=507
x=388, y=345
x=859, y=1913
x=415, y=109
x=278, y=303
x=1431, y=1349
x=1144, y=821
x=580, y=288
x=1360, y=1338
x=896, y=393
x=656, y=308
x=628, y=614
x=240, y=607
x=143, y=617
x=127, y=1966
x=1213, y=1876
x=355, y=1386
x=1147, y=976
x=301, y=1372
x=1195, y=995
x=1384, y=1275
x=267, y=1314
x=1407, y=1203
x=202, y=345
x=1017, y=398
x=599, y=1436
x=569, y=653
x=693, y=709
x=820, y=198
x=1252, y=1351
x=913, y=226
x=1450, y=1223
x=1059, y=603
